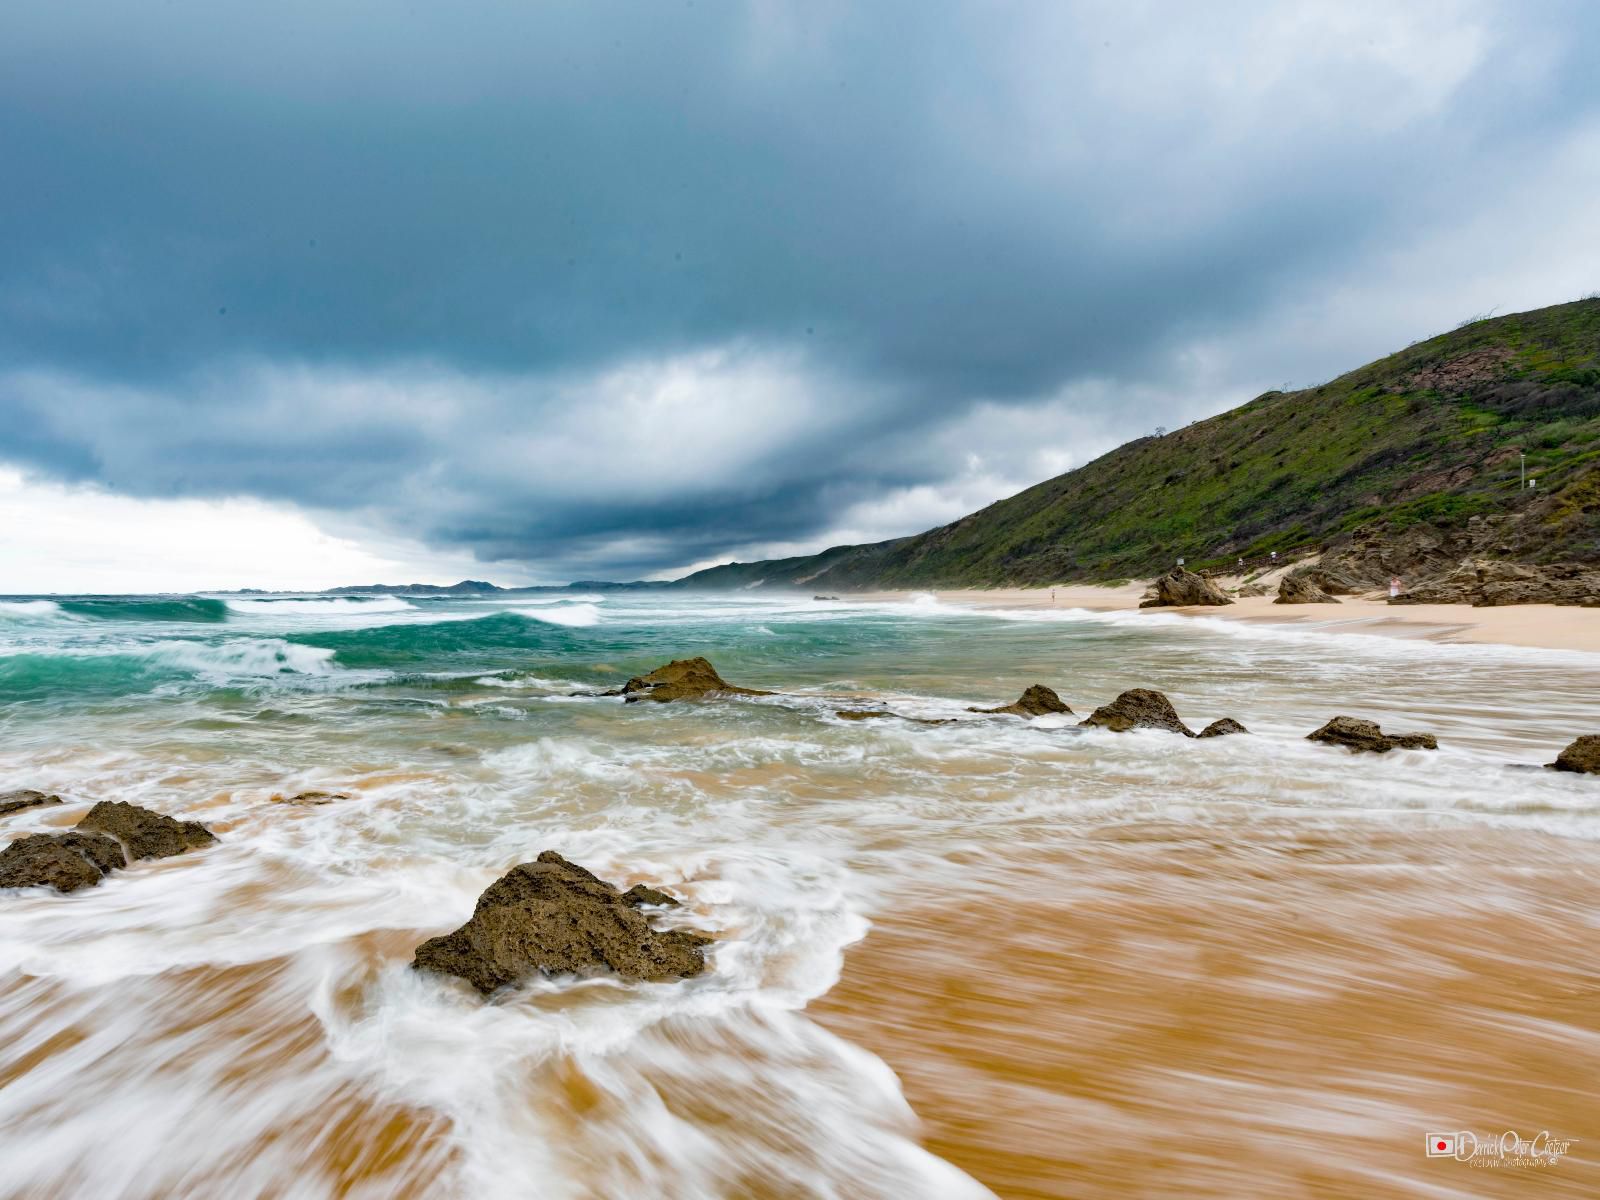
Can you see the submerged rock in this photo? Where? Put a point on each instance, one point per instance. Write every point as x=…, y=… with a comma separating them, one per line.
x=11, y=802
x=681, y=679
x=1583, y=756
x=66, y=862
x=145, y=834
x=1037, y=701
x=1138, y=708
x=1180, y=588
x=553, y=917
x=872, y=714
x=1301, y=589
x=1222, y=727
x=309, y=798
x=1356, y=734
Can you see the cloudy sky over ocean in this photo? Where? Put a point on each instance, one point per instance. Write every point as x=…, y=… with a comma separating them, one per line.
x=298, y=295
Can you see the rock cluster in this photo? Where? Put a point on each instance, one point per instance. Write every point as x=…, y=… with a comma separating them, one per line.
x=681, y=679
x=1037, y=701
x=553, y=917
x=1582, y=756
x=1180, y=588
x=11, y=802
x=1302, y=589
x=111, y=835
x=1489, y=582
x=1358, y=735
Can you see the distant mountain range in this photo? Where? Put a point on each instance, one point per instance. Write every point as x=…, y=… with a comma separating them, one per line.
x=1436, y=434
x=477, y=587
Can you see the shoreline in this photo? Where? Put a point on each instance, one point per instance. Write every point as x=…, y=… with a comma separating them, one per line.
x=1536, y=626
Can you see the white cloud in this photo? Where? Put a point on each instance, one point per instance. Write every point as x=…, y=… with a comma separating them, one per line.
x=55, y=538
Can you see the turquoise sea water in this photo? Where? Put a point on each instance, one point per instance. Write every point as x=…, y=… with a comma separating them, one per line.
x=213, y=1001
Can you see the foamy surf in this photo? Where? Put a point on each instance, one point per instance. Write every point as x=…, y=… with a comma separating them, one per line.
x=290, y=606
x=243, y=1020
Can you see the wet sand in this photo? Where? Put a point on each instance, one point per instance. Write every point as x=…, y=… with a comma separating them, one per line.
x=1546, y=626
x=1259, y=1011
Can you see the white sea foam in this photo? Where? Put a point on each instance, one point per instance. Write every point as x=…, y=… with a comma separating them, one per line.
x=576, y=615
x=244, y=658
x=30, y=610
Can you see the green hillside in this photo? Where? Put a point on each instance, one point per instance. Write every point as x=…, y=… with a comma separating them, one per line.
x=1431, y=434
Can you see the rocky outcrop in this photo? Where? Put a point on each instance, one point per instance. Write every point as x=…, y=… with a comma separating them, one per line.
x=1222, y=727
x=1301, y=589
x=1138, y=708
x=11, y=802
x=681, y=679
x=1372, y=555
x=1583, y=756
x=553, y=917
x=1037, y=701
x=1180, y=588
x=1252, y=589
x=1488, y=582
x=145, y=834
x=66, y=862
x=1357, y=735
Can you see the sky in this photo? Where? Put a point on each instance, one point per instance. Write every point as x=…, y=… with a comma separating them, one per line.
x=347, y=291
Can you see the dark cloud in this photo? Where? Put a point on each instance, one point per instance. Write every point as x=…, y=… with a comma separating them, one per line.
x=619, y=287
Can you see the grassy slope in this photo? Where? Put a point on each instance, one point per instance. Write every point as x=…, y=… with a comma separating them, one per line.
x=1428, y=434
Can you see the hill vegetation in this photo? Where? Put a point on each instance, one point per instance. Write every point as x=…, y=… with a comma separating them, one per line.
x=1431, y=435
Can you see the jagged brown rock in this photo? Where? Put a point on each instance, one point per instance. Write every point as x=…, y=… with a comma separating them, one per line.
x=641, y=893
x=1138, y=708
x=553, y=917
x=1180, y=588
x=681, y=679
x=1582, y=756
x=66, y=862
x=1222, y=727
x=1358, y=735
x=1301, y=589
x=143, y=833
x=1037, y=701
x=16, y=801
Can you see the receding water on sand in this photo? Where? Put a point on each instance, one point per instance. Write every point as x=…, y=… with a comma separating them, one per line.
x=1102, y=964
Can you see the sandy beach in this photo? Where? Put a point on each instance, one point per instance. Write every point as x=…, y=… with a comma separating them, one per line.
x=1252, y=1011
x=1545, y=626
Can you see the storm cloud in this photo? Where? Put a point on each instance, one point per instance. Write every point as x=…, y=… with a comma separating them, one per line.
x=604, y=289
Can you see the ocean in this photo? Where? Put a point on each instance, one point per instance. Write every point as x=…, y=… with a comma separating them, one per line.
x=242, y=1020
